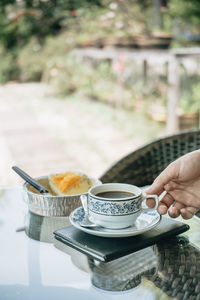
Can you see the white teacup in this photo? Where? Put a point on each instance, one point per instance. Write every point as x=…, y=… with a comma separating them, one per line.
x=116, y=205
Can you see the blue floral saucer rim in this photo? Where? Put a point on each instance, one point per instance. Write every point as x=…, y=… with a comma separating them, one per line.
x=145, y=222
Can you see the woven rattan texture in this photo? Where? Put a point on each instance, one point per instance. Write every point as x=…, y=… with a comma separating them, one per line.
x=142, y=166
x=178, y=269
x=173, y=266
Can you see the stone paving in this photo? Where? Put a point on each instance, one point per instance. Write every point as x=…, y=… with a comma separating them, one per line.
x=42, y=135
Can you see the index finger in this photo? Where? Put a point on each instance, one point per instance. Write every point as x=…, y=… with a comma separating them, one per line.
x=171, y=172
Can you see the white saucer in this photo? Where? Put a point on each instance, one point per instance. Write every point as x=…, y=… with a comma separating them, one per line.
x=146, y=221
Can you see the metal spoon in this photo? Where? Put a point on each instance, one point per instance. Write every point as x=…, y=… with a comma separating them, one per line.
x=86, y=222
x=31, y=181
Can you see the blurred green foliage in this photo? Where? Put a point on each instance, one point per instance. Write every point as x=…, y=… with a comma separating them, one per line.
x=186, y=21
x=37, y=36
x=27, y=25
x=190, y=96
x=21, y=21
x=186, y=10
x=105, y=81
x=9, y=69
x=36, y=33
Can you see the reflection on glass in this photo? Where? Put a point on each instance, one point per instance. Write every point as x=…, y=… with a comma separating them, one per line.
x=170, y=269
x=178, y=268
x=41, y=228
x=123, y=273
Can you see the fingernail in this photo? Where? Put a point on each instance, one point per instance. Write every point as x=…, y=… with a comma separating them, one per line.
x=162, y=195
x=149, y=187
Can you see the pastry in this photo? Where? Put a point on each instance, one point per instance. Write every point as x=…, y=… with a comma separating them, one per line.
x=69, y=183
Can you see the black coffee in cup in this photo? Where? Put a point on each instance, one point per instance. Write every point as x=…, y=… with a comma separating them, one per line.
x=115, y=194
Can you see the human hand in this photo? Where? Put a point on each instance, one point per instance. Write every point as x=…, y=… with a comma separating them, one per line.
x=181, y=181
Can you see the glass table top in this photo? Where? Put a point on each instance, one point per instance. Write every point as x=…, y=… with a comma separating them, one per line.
x=34, y=265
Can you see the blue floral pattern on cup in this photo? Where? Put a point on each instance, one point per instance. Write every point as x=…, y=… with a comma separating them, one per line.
x=113, y=208
x=78, y=215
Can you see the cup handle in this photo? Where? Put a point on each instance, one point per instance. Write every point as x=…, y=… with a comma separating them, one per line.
x=84, y=201
x=155, y=197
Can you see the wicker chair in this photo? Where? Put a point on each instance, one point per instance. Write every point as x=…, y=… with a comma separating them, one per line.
x=142, y=166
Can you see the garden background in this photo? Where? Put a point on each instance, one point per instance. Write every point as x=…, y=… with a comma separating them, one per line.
x=61, y=111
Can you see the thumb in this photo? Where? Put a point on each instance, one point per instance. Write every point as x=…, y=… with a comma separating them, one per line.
x=168, y=174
